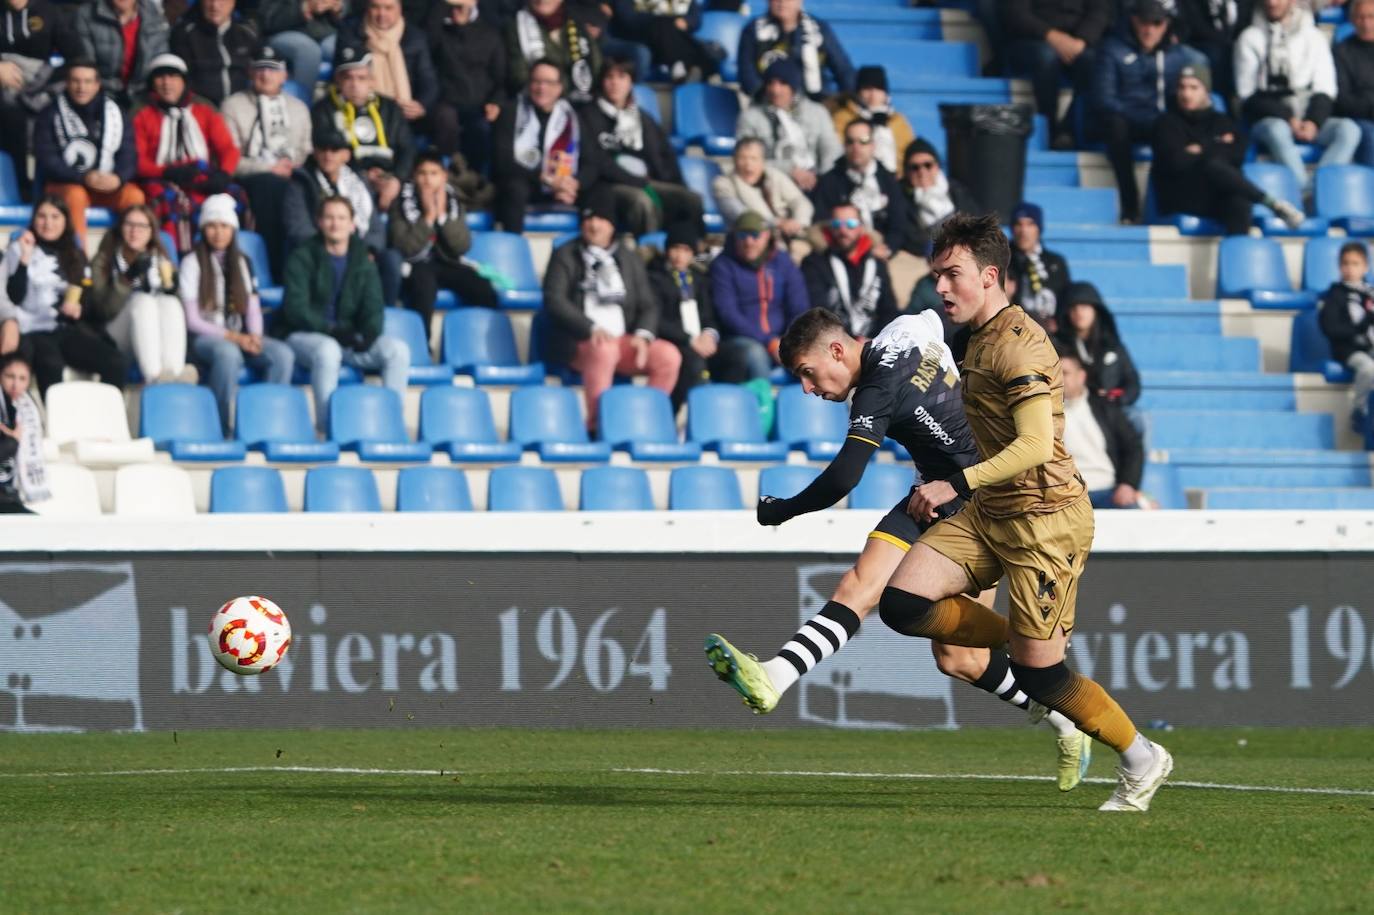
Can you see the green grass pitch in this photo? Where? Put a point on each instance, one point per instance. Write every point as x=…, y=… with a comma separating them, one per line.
x=543, y=821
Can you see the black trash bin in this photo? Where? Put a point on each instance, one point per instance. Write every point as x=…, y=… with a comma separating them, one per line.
x=986, y=146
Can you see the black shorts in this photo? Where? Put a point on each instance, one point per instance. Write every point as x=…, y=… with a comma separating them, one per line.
x=901, y=530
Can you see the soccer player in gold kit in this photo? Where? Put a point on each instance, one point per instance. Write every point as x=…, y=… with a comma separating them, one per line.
x=1027, y=516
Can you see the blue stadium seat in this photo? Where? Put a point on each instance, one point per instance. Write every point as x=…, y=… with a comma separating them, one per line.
x=704, y=115
x=704, y=488
x=615, y=489
x=103, y=218
x=1210, y=390
x=182, y=419
x=1310, y=351
x=1194, y=352
x=1239, y=429
x=523, y=489
x=508, y=255
x=293, y=88
x=882, y=486
x=367, y=419
x=1280, y=499
x=916, y=64
x=1160, y=482
x=407, y=325
x=478, y=221
x=725, y=418
x=784, y=481
x=255, y=249
x=9, y=181
x=1344, y=194
x=808, y=423
x=1075, y=205
x=458, y=421
x=1254, y=269
x=480, y=342
x=1279, y=182
x=16, y=215
x=1193, y=476
x=247, y=489
x=551, y=218
x=549, y=421
x=1125, y=279
x=646, y=97
x=640, y=420
x=1321, y=262
x=341, y=489
x=275, y=419
x=432, y=489
x=724, y=29
x=697, y=174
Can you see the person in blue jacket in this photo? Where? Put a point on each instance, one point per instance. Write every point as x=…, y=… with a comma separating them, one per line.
x=789, y=33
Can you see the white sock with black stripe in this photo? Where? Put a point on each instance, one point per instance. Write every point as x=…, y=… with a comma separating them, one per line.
x=999, y=680
x=823, y=635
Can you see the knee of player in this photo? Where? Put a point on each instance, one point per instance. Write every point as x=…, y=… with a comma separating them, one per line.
x=857, y=593
x=959, y=663
x=904, y=612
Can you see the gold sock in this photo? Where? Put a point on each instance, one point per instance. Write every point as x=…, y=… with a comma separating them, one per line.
x=961, y=620
x=1095, y=712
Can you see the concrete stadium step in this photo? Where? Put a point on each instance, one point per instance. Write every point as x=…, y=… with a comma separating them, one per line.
x=1239, y=428
x=1319, y=499
x=1275, y=477
x=1185, y=352
x=1131, y=324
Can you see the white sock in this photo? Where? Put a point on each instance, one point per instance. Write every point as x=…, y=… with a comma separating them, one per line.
x=782, y=673
x=819, y=638
x=1062, y=726
x=1139, y=756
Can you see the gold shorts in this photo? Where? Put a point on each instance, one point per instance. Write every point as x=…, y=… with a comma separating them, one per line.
x=1041, y=556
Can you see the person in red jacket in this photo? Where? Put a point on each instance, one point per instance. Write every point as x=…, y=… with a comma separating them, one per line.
x=185, y=150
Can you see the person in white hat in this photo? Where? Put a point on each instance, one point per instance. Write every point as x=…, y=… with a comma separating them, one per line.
x=223, y=312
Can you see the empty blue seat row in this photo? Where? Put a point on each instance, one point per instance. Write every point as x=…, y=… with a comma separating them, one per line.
x=1127, y=279
x=1203, y=352
x=1239, y=429
x=1289, y=499
x=1254, y=269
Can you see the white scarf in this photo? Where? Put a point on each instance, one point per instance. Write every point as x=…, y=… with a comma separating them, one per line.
x=269, y=139
x=180, y=138
x=38, y=310
x=1355, y=297
x=768, y=32
x=151, y=280
x=884, y=142
x=933, y=203
x=858, y=312
x=529, y=152
x=603, y=289
x=867, y=195
x=530, y=36
x=790, y=145
x=353, y=189
x=628, y=137
x=78, y=150
x=1037, y=298
x=674, y=8
x=31, y=473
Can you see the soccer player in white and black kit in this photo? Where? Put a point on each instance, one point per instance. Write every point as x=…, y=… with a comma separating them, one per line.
x=906, y=387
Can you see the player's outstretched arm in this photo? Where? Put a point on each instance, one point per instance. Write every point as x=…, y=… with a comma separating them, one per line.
x=1033, y=445
x=833, y=484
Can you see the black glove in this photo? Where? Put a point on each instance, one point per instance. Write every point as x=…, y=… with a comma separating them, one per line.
x=216, y=182
x=181, y=175
x=344, y=336
x=363, y=342
x=138, y=268
x=773, y=511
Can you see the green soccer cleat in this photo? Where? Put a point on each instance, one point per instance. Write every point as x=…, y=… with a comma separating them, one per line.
x=1075, y=752
x=743, y=672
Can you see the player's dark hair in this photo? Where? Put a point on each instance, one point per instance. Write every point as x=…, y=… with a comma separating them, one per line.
x=1353, y=247
x=805, y=332
x=981, y=235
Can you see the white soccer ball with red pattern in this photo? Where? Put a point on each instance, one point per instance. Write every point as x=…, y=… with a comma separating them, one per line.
x=249, y=635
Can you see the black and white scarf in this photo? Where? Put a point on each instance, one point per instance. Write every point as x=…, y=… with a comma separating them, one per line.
x=414, y=213
x=626, y=142
x=1037, y=298
x=866, y=194
x=1355, y=299
x=30, y=469
x=884, y=142
x=150, y=279
x=675, y=8
x=768, y=33
x=790, y=145
x=1223, y=14
x=529, y=151
x=181, y=137
x=933, y=203
x=857, y=311
x=352, y=188
x=79, y=150
x=530, y=36
x=269, y=139
x=603, y=289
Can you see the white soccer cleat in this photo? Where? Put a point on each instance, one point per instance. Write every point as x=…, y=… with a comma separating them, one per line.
x=1133, y=793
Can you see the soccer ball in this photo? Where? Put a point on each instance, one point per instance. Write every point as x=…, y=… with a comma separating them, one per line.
x=249, y=635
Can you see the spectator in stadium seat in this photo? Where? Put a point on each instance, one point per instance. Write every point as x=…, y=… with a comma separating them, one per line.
x=428, y=228
x=133, y=293
x=788, y=33
x=470, y=58
x=756, y=186
x=1104, y=444
x=555, y=32
x=1212, y=27
x=31, y=32
x=757, y=291
x=1050, y=39
x=23, y=478
x=1136, y=76
x=402, y=69
x=871, y=102
x=375, y=126
x=305, y=32
x=45, y=273
x=538, y=150
x=83, y=146
x=931, y=197
x=223, y=312
x=603, y=315
x=332, y=312
x=1040, y=277
x=185, y=150
x=635, y=161
x=666, y=27
x=798, y=134
x=272, y=130
x=861, y=180
x=1087, y=329
x=847, y=278
x=1286, y=81
x=217, y=47
x=1198, y=152
x=1355, y=78
x=686, y=314
x=1347, y=319
x=123, y=37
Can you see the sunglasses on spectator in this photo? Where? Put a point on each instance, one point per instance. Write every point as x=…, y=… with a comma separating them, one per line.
x=750, y=235
x=924, y=165
x=848, y=223
x=857, y=141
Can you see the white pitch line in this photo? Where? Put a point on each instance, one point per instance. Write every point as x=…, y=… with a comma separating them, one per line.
x=229, y=770
x=935, y=776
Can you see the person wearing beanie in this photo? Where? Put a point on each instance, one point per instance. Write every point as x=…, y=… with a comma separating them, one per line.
x=686, y=313
x=859, y=179
x=217, y=47
x=847, y=278
x=1198, y=154
x=223, y=313
x=758, y=291
x=1087, y=329
x=798, y=134
x=602, y=313
x=374, y=125
x=1047, y=40
x=754, y=185
x=788, y=33
x=185, y=150
x=1355, y=77
x=931, y=195
x=1036, y=278
x=103, y=27
x=871, y=102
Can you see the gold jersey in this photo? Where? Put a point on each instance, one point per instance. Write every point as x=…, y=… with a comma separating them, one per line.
x=1009, y=361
